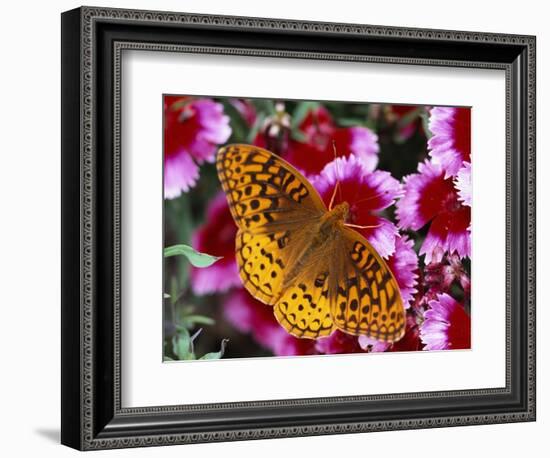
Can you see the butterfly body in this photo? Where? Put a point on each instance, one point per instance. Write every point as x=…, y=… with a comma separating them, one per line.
x=300, y=257
x=333, y=218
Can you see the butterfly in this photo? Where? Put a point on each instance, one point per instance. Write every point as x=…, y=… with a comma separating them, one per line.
x=302, y=258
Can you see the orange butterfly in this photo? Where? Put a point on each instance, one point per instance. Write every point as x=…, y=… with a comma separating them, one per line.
x=302, y=258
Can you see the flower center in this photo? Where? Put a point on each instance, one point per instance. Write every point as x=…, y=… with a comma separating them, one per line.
x=450, y=202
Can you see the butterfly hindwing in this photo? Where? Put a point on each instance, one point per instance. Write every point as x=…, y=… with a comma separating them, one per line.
x=366, y=300
x=304, y=308
x=262, y=259
x=264, y=191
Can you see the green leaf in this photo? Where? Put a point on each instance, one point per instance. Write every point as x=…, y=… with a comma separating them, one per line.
x=217, y=354
x=195, y=257
x=187, y=309
x=178, y=218
x=265, y=106
x=298, y=135
x=351, y=122
x=183, y=345
x=253, y=132
x=371, y=124
x=198, y=319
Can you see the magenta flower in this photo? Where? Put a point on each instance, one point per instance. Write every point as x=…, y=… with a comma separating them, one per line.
x=337, y=343
x=192, y=130
x=372, y=345
x=321, y=135
x=250, y=316
x=446, y=325
x=430, y=197
x=367, y=193
x=463, y=184
x=440, y=276
x=411, y=340
x=246, y=110
x=404, y=265
x=359, y=141
x=216, y=237
x=450, y=145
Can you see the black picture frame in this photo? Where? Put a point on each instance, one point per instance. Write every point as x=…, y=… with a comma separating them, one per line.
x=92, y=40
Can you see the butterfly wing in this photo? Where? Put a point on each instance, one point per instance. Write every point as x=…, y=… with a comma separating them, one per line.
x=304, y=308
x=262, y=259
x=365, y=297
x=264, y=191
x=274, y=207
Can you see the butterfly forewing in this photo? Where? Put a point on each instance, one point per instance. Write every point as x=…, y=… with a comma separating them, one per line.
x=365, y=299
x=264, y=191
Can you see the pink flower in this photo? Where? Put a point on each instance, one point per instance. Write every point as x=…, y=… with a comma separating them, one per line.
x=250, y=316
x=404, y=265
x=337, y=343
x=411, y=340
x=246, y=110
x=450, y=145
x=192, y=130
x=216, y=237
x=463, y=184
x=367, y=193
x=321, y=135
x=372, y=345
x=446, y=325
x=440, y=276
x=430, y=197
x=359, y=141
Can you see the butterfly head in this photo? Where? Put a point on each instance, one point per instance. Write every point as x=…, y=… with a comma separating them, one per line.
x=339, y=214
x=341, y=211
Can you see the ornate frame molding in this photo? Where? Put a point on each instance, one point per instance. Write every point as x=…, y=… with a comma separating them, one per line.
x=102, y=427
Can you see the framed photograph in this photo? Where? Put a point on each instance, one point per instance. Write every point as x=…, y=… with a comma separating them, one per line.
x=277, y=228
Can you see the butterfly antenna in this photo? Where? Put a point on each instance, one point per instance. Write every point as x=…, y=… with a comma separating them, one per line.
x=333, y=195
x=357, y=226
x=337, y=186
